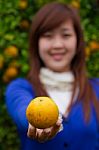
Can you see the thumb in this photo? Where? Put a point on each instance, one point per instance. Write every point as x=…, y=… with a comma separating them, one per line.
x=31, y=131
x=57, y=127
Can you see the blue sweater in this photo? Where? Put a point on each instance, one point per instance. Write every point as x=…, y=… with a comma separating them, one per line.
x=76, y=135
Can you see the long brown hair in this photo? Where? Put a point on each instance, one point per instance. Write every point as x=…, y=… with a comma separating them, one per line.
x=48, y=17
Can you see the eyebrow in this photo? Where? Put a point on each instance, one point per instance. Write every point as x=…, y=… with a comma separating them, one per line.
x=62, y=29
x=65, y=29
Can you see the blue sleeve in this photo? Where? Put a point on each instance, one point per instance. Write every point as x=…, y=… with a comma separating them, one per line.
x=18, y=95
x=95, y=84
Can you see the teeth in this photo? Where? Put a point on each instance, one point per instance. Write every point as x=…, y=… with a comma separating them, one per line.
x=57, y=53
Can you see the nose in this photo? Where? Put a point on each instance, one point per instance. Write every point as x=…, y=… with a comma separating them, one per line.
x=57, y=43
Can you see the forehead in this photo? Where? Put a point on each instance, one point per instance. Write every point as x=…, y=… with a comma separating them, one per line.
x=65, y=26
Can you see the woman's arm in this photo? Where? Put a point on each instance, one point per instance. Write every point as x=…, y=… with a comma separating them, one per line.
x=18, y=95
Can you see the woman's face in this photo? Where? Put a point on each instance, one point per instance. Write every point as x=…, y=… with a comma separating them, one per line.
x=58, y=47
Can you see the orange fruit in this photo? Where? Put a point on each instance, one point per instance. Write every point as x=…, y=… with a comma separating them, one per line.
x=94, y=45
x=75, y=4
x=87, y=51
x=42, y=112
x=23, y=4
x=11, y=51
x=1, y=61
x=24, y=24
x=11, y=72
x=5, y=79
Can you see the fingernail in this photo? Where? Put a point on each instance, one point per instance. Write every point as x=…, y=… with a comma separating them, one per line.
x=31, y=127
x=47, y=130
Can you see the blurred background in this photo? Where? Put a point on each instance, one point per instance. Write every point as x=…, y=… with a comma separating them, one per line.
x=15, y=21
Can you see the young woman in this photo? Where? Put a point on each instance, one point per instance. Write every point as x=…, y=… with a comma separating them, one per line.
x=57, y=70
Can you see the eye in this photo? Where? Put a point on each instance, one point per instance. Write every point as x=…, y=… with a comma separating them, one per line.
x=47, y=35
x=66, y=35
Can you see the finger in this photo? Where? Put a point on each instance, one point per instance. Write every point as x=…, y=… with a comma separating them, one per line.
x=59, y=121
x=47, y=130
x=31, y=132
x=38, y=132
x=43, y=136
x=54, y=130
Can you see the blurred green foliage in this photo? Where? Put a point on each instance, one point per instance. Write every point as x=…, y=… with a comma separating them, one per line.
x=15, y=21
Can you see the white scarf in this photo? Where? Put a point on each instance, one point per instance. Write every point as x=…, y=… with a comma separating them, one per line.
x=54, y=80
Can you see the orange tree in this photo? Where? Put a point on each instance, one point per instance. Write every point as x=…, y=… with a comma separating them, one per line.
x=15, y=20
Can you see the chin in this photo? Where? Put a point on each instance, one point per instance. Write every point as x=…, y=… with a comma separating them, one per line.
x=57, y=69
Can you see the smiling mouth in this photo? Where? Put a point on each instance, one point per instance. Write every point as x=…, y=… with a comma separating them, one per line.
x=57, y=56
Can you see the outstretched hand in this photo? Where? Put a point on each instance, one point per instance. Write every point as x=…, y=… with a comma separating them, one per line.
x=43, y=135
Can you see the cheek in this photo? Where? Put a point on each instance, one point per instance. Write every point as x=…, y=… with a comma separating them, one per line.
x=70, y=55
x=43, y=45
x=73, y=41
x=72, y=46
x=40, y=45
x=71, y=51
x=42, y=50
